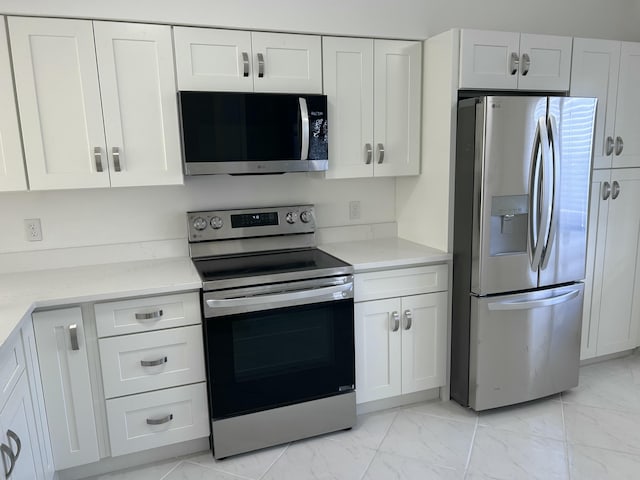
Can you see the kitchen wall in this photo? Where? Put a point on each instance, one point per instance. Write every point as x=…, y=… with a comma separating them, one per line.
x=120, y=217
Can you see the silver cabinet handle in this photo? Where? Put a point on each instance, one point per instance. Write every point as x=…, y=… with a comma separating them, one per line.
x=97, y=155
x=514, y=63
x=380, y=153
x=304, y=116
x=150, y=315
x=615, y=190
x=606, y=191
x=609, y=146
x=526, y=63
x=245, y=62
x=260, y=65
x=14, y=436
x=160, y=421
x=395, y=316
x=619, y=145
x=73, y=336
x=115, y=152
x=7, y=453
x=368, y=153
x=153, y=363
x=409, y=318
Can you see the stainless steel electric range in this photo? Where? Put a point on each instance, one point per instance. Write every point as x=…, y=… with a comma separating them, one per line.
x=278, y=327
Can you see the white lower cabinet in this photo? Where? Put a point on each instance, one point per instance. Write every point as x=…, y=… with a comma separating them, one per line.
x=18, y=436
x=401, y=342
x=611, y=318
x=154, y=419
x=62, y=354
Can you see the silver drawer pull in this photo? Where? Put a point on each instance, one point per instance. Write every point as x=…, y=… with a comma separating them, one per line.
x=395, y=316
x=154, y=363
x=97, y=155
x=380, y=153
x=14, y=436
x=260, y=66
x=160, y=421
x=369, y=153
x=73, y=337
x=409, y=318
x=115, y=153
x=245, y=63
x=150, y=315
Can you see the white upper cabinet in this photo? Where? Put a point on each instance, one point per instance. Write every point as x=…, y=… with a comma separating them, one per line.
x=373, y=90
x=514, y=61
x=229, y=60
x=59, y=100
x=63, y=92
x=137, y=84
x=12, y=175
x=609, y=70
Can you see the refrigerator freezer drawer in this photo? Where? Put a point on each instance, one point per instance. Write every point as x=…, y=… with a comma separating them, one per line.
x=524, y=346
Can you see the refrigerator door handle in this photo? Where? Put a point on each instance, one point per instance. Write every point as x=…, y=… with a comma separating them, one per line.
x=539, y=171
x=530, y=304
x=554, y=182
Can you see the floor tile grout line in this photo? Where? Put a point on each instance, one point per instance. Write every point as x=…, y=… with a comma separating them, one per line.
x=377, y=449
x=473, y=441
x=179, y=462
x=566, y=441
x=217, y=470
x=274, y=462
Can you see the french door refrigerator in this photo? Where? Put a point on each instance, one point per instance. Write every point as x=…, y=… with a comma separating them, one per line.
x=523, y=169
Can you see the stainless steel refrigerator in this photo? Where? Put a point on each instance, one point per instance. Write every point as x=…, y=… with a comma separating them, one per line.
x=522, y=178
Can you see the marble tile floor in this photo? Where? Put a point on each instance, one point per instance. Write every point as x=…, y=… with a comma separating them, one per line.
x=590, y=432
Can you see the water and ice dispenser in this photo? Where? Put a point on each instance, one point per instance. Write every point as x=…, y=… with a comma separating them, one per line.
x=509, y=219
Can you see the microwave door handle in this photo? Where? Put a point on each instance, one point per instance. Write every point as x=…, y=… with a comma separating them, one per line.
x=304, y=115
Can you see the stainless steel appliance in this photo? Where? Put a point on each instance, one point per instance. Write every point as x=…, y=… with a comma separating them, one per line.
x=249, y=133
x=520, y=229
x=278, y=327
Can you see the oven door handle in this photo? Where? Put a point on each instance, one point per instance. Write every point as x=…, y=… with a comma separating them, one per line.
x=337, y=292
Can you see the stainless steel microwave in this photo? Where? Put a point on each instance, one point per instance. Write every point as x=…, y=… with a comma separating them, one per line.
x=252, y=133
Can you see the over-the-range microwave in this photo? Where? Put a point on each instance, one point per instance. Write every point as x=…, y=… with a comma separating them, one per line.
x=250, y=133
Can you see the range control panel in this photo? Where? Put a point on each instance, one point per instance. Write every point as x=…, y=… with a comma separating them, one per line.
x=254, y=222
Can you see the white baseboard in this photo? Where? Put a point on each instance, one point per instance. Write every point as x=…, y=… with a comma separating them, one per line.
x=400, y=401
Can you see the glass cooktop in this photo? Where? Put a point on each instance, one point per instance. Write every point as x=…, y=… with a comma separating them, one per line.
x=269, y=267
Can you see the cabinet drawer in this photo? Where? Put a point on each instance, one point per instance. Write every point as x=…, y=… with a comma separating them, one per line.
x=400, y=282
x=150, y=361
x=11, y=366
x=144, y=314
x=181, y=414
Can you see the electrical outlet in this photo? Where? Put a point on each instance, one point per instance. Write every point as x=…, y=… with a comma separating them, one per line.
x=354, y=210
x=33, y=229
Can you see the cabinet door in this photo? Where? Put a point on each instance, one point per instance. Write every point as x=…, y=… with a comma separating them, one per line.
x=424, y=341
x=545, y=62
x=486, y=59
x=594, y=73
x=12, y=176
x=17, y=422
x=397, y=103
x=596, y=238
x=348, y=84
x=54, y=64
x=377, y=343
x=618, y=283
x=286, y=63
x=213, y=60
x=37, y=397
x=137, y=83
x=627, y=149
x=66, y=386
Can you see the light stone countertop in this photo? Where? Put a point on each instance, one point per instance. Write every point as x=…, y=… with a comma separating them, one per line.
x=23, y=292
x=385, y=254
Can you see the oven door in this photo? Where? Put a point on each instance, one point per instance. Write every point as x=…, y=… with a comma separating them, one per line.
x=271, y=357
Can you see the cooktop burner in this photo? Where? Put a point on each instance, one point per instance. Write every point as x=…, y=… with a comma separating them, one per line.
x=269, y=267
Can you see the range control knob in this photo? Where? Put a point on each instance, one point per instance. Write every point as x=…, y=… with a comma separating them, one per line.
x=306, y=216
x=216, y=223
x=291, y=217
x=199, y=223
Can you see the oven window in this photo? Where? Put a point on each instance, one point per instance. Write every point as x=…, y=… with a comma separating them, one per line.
x=272, y=358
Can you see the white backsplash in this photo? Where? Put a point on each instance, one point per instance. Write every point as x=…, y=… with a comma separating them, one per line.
x=109, y=225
